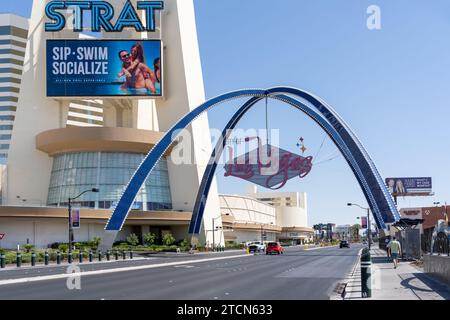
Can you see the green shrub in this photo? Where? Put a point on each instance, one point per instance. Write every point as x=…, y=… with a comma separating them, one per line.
x=94, y=243
x=168, y=239
x=28, y=247
x=133, y=239
x=63, y=247
x=122, y=246
x=149, y=238
x=185, y=244
x=234, y=245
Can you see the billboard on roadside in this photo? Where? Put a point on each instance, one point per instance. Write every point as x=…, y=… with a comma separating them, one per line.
x=409, y=186
x=104, y=68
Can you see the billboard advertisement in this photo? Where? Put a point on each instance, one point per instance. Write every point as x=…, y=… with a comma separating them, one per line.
x=104, y=68
x=409, y=186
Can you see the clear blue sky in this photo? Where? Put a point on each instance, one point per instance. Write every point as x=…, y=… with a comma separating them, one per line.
x=391, y=85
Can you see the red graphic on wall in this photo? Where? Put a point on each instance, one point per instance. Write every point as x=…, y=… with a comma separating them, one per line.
x=268, y=166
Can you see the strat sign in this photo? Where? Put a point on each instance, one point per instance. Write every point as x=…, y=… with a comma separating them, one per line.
x=102, y=13
x=270, y=171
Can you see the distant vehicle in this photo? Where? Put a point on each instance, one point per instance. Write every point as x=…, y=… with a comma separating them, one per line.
x=344, y=243
x=256, y=247
x=274, y=247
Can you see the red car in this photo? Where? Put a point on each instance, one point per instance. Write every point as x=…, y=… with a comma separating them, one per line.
x=274, y=247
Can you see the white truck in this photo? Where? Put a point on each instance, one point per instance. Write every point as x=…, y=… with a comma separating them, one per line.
x=256, y=246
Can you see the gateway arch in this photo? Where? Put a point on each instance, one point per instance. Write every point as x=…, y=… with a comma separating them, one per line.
x=372, y=185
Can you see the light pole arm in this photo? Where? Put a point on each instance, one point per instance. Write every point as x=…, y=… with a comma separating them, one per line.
x=74, y=198
x=354, y=204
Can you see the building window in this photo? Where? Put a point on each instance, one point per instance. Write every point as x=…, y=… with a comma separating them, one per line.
x=73, y=173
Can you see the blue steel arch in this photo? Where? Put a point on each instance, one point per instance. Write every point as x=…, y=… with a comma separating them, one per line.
x=372, y=185
x=208, y=176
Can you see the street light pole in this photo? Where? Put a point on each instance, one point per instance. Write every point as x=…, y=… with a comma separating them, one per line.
x=70, y=226
x=369, y=231
x=262, y=240
x=70, y=216
x=369, y=236
x=213, y=231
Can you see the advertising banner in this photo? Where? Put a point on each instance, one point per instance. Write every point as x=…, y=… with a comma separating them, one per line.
x=104, y=68
x=409, y=186
x=76, y=218
x=364, y=222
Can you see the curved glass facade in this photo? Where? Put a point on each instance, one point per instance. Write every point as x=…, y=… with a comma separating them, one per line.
x=72, y=173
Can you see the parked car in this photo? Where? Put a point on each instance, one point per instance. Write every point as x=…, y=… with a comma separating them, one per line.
x=274, y=247
x=344, y=243
x=256, y=247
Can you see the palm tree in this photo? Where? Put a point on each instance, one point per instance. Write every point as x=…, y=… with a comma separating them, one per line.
x=355, y=231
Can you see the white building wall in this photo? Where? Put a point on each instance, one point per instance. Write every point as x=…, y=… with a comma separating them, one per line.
x=248, y=235
x=247, y=210
x=292, y=217
x=43, y=232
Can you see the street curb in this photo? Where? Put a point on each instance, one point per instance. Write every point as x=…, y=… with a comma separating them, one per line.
x=114, y=270
x=343, y=285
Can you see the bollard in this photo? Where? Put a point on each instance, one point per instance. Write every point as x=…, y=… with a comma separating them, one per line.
x=116, y=255
x=58, y=257
x=33, y=259
x=108, y=255
x=90, y=255
x=2, y=260
x=46, y=258
x=124, y=255
x=69, y=257
x=80, y=257
x=99, y=255
x=18, y=259
x=366, y=269
x=131, y=254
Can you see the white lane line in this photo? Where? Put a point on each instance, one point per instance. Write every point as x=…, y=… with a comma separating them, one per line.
x=98, y=272
x=320, y=248
x=185, y=267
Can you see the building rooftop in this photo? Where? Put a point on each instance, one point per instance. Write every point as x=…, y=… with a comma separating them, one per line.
x=11, y=19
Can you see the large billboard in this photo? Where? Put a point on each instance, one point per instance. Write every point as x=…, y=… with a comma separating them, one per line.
x=409, y=186
x=104, y=68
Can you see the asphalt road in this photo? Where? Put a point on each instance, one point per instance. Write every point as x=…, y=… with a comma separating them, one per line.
x=295, y=275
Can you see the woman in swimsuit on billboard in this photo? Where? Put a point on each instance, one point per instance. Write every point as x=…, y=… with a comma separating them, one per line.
x=138, y=62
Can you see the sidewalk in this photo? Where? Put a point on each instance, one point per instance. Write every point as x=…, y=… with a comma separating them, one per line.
x=407, y=282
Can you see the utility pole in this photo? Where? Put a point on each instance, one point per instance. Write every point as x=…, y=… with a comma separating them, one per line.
x=213, y=232
x=369, y=231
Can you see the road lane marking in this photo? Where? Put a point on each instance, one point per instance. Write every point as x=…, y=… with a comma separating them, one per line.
x=115, y=270
x=320, y=248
